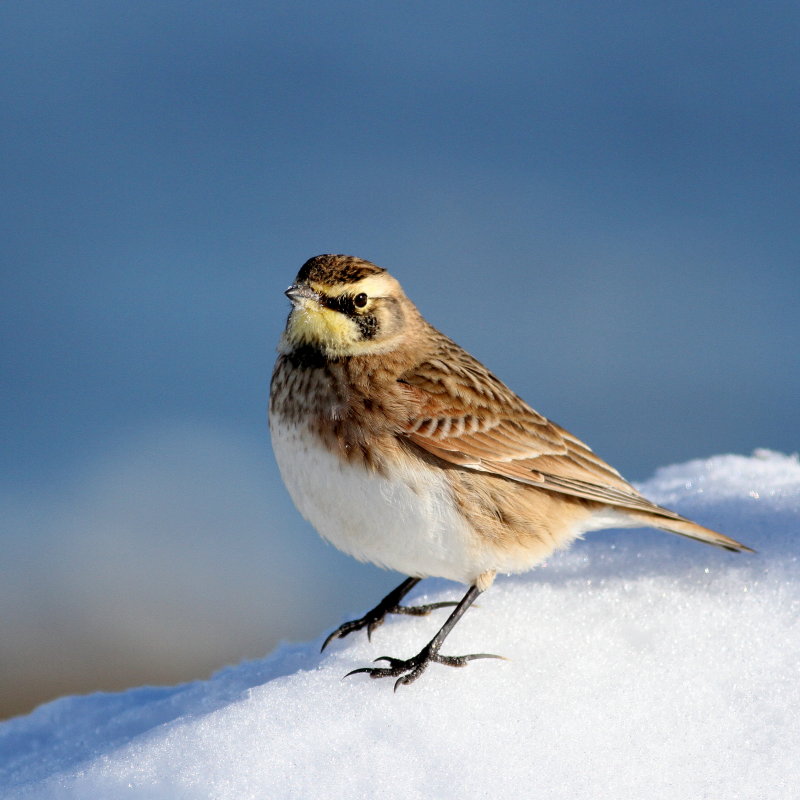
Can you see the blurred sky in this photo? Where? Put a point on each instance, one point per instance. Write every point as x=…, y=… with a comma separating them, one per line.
x=598, y=199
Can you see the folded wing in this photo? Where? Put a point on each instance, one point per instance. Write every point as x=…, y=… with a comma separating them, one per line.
x=464, y=415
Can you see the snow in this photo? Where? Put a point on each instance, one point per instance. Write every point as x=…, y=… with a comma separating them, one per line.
x=639, y=665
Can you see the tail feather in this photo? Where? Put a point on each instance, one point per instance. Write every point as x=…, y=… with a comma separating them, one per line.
x=674, y=523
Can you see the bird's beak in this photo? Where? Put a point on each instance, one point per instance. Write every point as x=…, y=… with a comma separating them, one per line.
x=298, y=292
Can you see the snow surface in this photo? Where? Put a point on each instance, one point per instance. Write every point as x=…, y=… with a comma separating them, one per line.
x=640, y=665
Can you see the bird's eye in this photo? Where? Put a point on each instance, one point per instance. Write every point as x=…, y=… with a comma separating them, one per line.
x=360, y=300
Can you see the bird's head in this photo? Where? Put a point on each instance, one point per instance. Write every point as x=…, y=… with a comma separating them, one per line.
x=343, y=306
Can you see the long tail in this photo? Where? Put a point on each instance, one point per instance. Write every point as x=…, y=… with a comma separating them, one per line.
x=671, y=522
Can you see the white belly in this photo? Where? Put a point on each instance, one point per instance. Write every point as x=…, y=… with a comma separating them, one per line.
x=407, y=523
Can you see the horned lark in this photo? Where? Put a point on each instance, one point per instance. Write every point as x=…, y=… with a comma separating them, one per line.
x=403, y=450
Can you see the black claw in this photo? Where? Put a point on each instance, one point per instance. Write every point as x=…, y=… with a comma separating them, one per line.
x=346, y=628
x=408, y=670
x=341, y=631
x=390, y=604
x=356, y=671
x=372, y=622
x=394, y=663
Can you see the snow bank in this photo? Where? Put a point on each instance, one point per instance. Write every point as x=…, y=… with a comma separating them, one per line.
x=640, y=665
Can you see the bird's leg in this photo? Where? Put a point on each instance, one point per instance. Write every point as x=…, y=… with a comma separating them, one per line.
x=410, y=669
x=389, y=605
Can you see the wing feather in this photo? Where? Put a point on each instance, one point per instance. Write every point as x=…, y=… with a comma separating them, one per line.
x=464, y=415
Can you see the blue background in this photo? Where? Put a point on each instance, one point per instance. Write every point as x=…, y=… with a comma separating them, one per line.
x=599, y=200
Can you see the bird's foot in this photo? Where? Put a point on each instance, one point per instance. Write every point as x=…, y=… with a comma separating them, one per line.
x=421, y=611
x=408, y=670
x=374, y=618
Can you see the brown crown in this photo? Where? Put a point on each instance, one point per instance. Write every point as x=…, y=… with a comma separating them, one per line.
x=332, y=269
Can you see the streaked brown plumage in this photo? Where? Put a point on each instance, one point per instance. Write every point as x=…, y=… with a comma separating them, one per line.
x=403, y=449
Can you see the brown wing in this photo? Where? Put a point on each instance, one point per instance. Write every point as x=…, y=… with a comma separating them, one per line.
x=463, y=414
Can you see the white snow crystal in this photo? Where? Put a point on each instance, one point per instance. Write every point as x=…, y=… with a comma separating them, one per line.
x=640, y=665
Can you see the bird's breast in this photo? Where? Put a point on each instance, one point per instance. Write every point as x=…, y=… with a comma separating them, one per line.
x=402, y=516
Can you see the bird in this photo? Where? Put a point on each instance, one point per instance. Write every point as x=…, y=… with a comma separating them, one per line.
x=405, y=451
